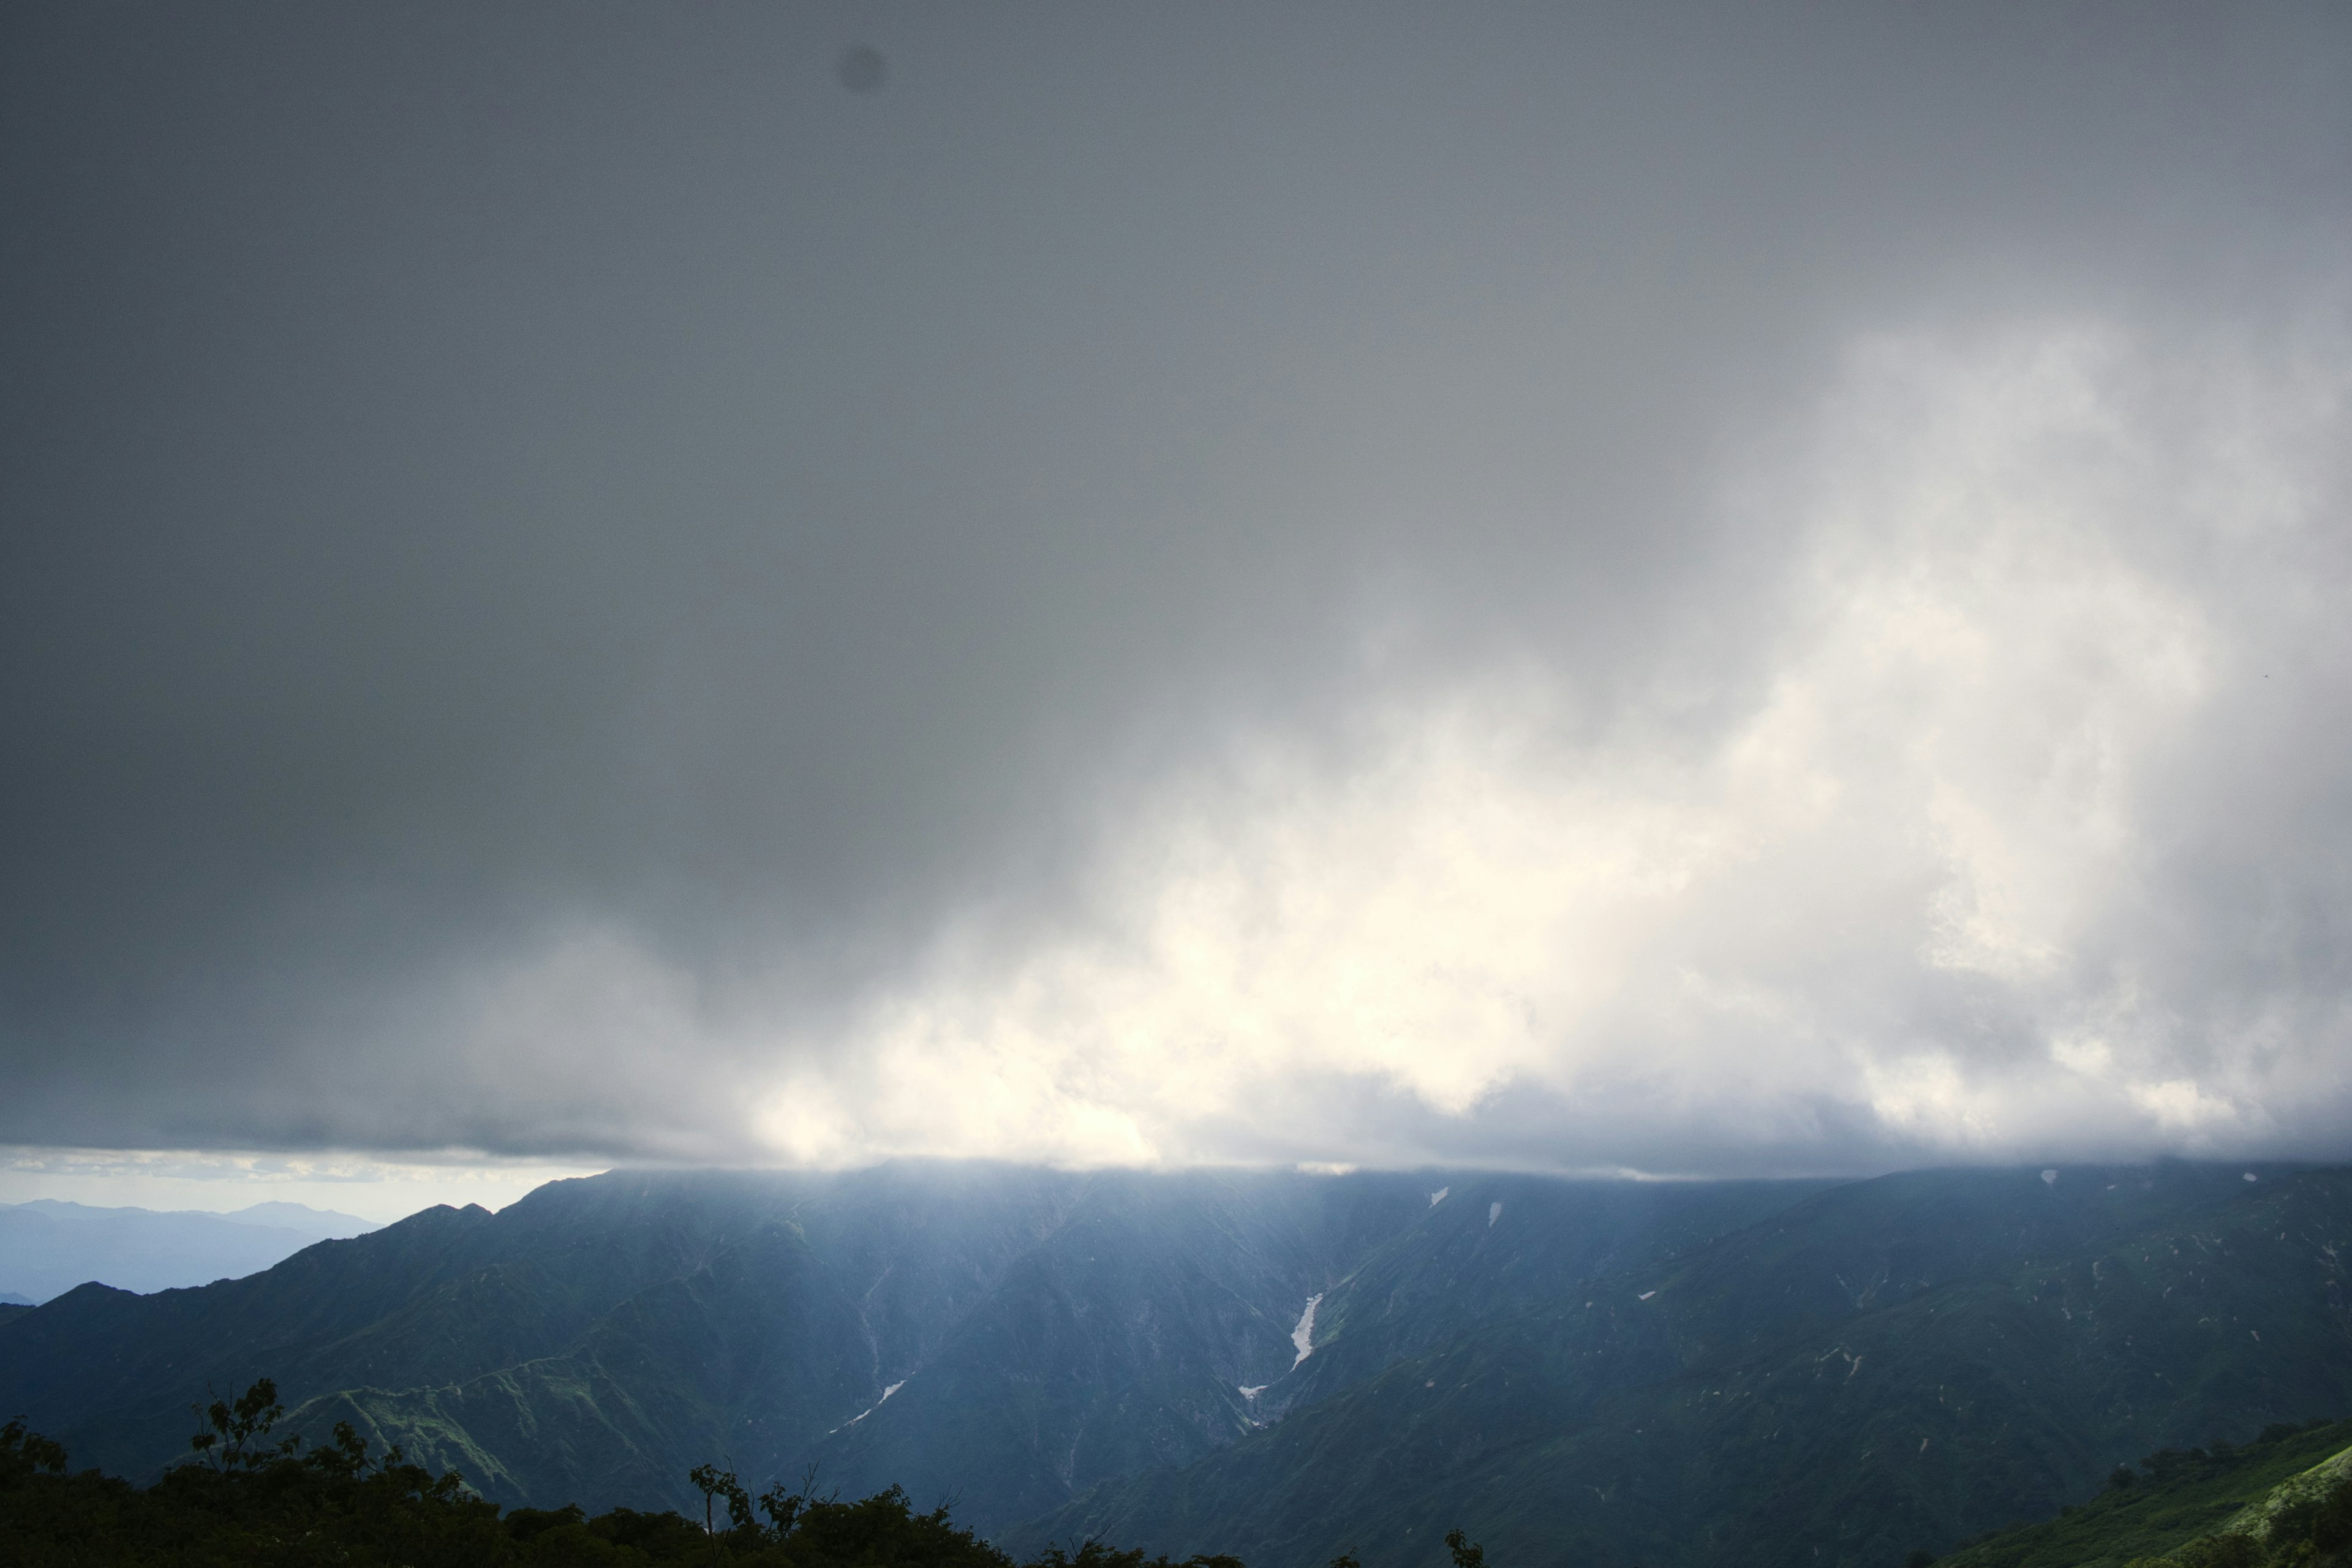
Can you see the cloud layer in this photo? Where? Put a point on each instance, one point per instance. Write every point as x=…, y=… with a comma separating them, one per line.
x=1691, y=593
x=1933, y=882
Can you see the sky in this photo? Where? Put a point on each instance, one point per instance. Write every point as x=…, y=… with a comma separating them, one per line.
x=1685, y=590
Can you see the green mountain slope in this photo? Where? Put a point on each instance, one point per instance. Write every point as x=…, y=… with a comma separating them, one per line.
x=2184, y=1496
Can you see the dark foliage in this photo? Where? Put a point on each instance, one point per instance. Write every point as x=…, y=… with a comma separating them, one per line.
x=243, y=1499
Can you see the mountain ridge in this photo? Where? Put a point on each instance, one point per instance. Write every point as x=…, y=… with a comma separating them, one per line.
x=1668, y=1373
x=48, y=1246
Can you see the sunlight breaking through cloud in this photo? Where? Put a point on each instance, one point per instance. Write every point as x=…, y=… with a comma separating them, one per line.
x=1905, y=883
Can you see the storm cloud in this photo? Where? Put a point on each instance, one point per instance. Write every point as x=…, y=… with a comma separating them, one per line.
x=1682, y=589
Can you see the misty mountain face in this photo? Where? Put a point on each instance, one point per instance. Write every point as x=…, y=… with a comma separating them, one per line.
x=1006, y=1337
x=1282, y=1365
x=1891, y=1364
x=47, y=1247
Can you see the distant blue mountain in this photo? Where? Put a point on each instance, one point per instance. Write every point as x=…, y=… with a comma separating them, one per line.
x=48, y=1247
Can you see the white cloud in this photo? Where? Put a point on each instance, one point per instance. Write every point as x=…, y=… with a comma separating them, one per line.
x=1899, y=900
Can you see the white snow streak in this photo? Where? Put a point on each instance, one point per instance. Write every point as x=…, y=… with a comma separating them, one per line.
x=1303, y=1336
x=871, y=1409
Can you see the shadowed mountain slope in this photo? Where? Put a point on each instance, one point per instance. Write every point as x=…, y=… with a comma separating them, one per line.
x=1888, y=1365
x=1009, y=1337
x=1798, y=1374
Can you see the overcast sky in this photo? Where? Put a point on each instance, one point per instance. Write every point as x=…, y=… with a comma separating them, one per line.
x=1681, y=589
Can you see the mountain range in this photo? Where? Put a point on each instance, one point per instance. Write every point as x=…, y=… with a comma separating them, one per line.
x=48, y=1247
x=1281, y=1365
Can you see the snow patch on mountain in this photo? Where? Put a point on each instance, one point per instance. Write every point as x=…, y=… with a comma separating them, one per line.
x=1303, y=1336
x=871, y=1409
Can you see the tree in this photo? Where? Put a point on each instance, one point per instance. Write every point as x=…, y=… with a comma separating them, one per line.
x=25, y=1454
x=714, y=1483
x=234, y=1441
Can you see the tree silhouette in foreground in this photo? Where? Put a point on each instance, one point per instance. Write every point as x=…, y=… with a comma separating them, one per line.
x=242, y=1498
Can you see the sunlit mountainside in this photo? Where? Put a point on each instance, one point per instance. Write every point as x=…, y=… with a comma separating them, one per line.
x=2226, y=1506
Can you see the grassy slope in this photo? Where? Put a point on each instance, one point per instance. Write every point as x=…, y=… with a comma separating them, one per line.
x=2154, y=1517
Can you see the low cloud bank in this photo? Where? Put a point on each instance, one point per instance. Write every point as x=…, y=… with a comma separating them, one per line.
x=2016, y=830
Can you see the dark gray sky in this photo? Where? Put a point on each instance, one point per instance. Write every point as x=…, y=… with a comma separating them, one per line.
x=1685, y=588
